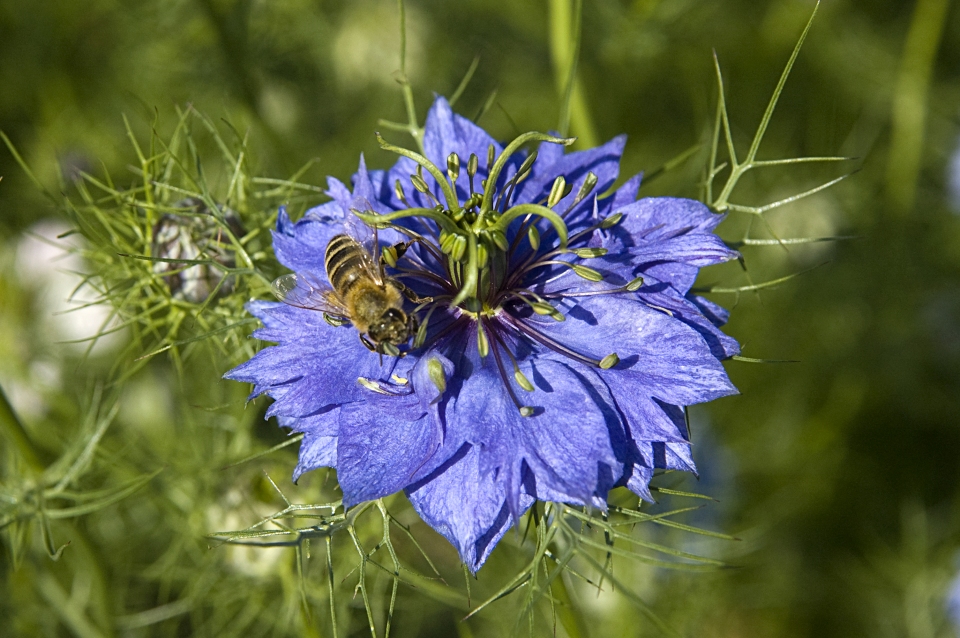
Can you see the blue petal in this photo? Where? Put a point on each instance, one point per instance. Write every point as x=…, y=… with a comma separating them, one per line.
x=324, y=376
x=316, y=451
x=465, y=505
x=658, y=354
x=384, y=442
x=603, y=161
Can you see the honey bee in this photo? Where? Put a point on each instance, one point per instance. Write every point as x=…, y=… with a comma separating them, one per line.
x=359, y=293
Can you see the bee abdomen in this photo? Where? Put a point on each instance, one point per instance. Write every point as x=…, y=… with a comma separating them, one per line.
x=345, y=260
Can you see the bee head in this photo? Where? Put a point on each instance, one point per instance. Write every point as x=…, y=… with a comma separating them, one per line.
x=392, y=327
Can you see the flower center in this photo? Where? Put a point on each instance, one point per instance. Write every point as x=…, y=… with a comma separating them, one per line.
x=481, y=254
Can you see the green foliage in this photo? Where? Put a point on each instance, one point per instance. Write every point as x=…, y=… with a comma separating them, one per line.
x=122, y=459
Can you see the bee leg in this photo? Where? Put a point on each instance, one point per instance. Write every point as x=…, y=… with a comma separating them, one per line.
x=412, y=296
x=368, y=344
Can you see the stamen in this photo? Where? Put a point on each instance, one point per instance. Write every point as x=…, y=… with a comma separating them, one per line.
x=472, y=166
x=556, y=191
x=437, y=375
x=548, y=342
x=453, y=167
x=523, y=409
x=402, y=196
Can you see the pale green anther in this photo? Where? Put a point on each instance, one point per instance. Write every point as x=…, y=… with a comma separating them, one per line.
x=437, y=375
x=483, y=184
x=458, y=248
x=542, y=308
x=483, y=346
x=421, y=336
x=446, y=242
x=399, y=380
x=523, y=381
x=398, y=189
x=588, y=253
x=482, y=255
x=611, y=221
x=526, y=166
x=390, y=349
x=453, y=166
x=389, y=255
x=588, y=185
x=472, y=165
x=336, y=322
x=373, y=386
x=534, y=236
x=419, y=184
x=587, y=273
x=635, y=285
x=526, y=411
x=556, y=192
x=491, y=155
x=609, y=361
x=499, y=239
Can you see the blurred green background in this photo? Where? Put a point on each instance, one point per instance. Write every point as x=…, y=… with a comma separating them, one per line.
x=839, y=474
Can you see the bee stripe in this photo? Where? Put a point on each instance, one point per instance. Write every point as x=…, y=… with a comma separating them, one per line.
x=344, y=260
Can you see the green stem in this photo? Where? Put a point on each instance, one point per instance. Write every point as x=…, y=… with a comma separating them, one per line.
x=910, y=101
x=534, y=209
x=448, y=193
x=13, y=428
x=512, y=147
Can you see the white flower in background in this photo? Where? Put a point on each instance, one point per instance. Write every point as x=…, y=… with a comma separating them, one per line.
x=50, y=267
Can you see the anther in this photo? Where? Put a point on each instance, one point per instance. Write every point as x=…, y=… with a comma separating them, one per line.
x=398, y=189
x=556, y=192
x=419, y=183
x=453, y=166
x=482, y=255
x=472, y=165
x=534, y=236
x=588, y=253
x=436, y=374
x=483, y=345
x=491, y=155
x=634, y=285
x=588, y=185
x=587, y=273
x=458, y=247
x=524, y=169
x=523, y=381
x=389, y=255
x=611, y=221
x=609, y=361
x=526, y=411
x=542, y=308
x=373, y=386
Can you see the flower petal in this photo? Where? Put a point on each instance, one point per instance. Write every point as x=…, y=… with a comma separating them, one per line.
x=384, y=441
x=467, y=506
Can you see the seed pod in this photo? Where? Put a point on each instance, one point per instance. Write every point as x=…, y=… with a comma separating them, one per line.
x=194, y=237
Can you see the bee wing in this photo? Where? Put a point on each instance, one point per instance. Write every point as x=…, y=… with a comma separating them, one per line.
x=306, y=291
x=367, y=237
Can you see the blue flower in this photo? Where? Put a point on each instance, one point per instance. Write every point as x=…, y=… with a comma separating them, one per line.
x=558, y=340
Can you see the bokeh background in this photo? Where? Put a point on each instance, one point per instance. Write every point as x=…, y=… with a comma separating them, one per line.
x=838, y=473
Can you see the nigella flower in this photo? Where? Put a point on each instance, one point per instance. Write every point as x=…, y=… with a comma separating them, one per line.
x=556, y=343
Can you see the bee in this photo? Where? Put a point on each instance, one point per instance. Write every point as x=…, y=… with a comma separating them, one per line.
x=359, y=293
